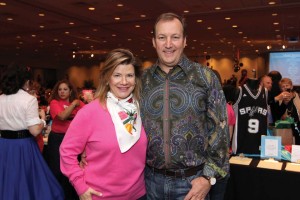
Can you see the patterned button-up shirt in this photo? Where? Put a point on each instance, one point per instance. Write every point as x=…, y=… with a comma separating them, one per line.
x=185, y=118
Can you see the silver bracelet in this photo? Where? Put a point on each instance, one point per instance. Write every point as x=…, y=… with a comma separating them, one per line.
x=44, y=123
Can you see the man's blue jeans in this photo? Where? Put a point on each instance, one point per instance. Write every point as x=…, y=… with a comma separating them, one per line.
x=161, y=187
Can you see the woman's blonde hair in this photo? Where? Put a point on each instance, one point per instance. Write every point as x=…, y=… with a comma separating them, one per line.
x=285, y=81
x=115, y=58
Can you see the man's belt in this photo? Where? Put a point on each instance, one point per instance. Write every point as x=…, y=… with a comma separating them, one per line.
x=178, y=173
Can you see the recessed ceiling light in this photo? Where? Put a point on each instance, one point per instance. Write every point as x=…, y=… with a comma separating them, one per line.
x=143, y=16
x=117, y=18
x=186, y=11
x=272, y=2
x=87, y=37
x=240, y=32
x=217, y=33
x=55, y=39
x=274, y=14
x=120, y=5
x=209, y=28
x=41, y=41
x=9, y=19
x=42, y=26
x=227, y=18
x=199, y=20
x=248, y=41
x=218, y=8
x=92, y=8
x=2, y=4
x=71, y=23
x=276, y=23
x=245, y=37
x=129, y=39
x=234, y=26
x=114, y=35
x=104, y=41
x=41, y=14
x=67, y=32
x=194, y=40
x=137, y=26
x=277, y=30
x=95, y=30
x=18, y=37
x=20, y=42
x=33, y=35
x=74, y=43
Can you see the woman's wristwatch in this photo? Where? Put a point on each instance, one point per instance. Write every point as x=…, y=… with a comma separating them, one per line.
x=211, y=180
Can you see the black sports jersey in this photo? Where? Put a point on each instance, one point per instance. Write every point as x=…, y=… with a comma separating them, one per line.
x=251, y=120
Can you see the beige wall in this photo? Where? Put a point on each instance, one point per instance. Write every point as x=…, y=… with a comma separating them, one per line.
x=78, y=74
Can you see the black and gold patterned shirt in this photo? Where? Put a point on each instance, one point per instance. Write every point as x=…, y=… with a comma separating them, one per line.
x=184, y=115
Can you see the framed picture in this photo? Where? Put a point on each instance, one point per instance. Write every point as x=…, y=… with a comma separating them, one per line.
x=270, y=147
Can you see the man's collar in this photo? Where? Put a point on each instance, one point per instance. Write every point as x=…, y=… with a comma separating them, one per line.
x=183, y=62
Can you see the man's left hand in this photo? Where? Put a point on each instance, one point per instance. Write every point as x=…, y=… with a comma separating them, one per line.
x=200, y=188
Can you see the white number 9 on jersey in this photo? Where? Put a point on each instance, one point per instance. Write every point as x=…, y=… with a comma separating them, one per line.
x=253, y=125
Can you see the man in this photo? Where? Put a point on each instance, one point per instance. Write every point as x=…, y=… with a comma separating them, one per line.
x=266, y=82
x=184, y=115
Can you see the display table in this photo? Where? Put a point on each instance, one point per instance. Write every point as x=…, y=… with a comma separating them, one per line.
x=250, y=182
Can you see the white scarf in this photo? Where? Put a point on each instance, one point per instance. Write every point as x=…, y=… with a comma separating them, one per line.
x=126, y=119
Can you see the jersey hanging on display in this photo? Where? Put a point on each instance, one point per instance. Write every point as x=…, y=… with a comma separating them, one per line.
x=251, y=120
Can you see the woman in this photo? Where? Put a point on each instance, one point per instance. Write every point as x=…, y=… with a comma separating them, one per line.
x=109, y=129
x=291, y=101
x=23, y=172
x=64, y=105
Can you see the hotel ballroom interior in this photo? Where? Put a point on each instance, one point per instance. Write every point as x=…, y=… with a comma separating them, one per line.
x=70, y=39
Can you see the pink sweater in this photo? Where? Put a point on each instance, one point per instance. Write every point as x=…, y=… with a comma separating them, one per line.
x=115, y=175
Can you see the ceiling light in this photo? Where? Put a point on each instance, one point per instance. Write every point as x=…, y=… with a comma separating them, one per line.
x=117, y=18
x=217, y=33
x=143, y=16
x=269, y=47
x=55, y=40
x=209, y=28
x=227, y=18
x=92, y=55
x=218, y=8
x=234, y=26
x=20, y=42
x=120, y=5
x=71, y=23
x=9, y=19
x=92, y=8
x=67, y=32
x=41, y=41
x=137, y=26
x=41, y=26
x=272, y=2
x=41, y=14
x=199, y=20
x=186, y=11
x=95, y=30
x=274, y=14
x=18, y=37
x=129, y=39
x=2, y=4
x=277, y=30
x=240, y=32
x=33, y=35
x=283, y=47
x=114, y=35
x=275, y=23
